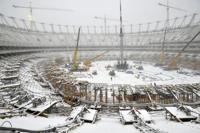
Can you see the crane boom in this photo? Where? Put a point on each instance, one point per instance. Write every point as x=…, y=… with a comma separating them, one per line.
x=110, y=19
x=42, y=8
x=99, y=55
x=172, y=7
x=102, y=18
x=173, y=63
x=88, y=62
x=31, y=8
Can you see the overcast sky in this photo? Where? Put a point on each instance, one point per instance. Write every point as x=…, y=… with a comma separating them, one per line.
x=134, y=11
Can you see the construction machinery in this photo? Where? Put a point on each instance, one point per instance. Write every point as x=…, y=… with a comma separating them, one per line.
x=162, y=54
x=75, y=55
x=105, y=19
x=88, y=62
x=173, y=64
x=31, y=8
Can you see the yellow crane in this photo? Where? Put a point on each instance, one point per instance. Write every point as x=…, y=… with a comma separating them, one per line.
x=173, y=64
x=162, y=54
x=88, y=62
x=75, y=55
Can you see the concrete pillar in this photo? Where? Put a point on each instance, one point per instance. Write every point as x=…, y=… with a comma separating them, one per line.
x=113, y=96
x=125, y=95
x=192, y=98
x=119, y=96
x=95, y=94
x=197, y=97
x=90, y=94
x=101, y=95
x=188, y=97
x=106, y=93
x=86, y=95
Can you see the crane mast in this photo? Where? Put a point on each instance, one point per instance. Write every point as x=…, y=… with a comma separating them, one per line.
x=75, y=56
x=121, y=37
x=162, y=54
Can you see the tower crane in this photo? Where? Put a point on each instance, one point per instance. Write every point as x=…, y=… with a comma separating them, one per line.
x=105, y=19
x=162, y=55
x=31, y=8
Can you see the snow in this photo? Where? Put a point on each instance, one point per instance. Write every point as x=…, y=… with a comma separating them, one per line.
x=28, y=81
x=144, y=115
x=76, y=111
x=10, y=77
x=90, y=115
x=35, y=123
x=42, y=107
x=150, y=74
x=105, y=125
x=127, y=115
x=159, y=122
x=178, y=113
x=194, y=112
x=10, y=85
x=4, y=110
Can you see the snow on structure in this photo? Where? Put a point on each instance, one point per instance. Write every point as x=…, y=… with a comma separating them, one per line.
x=144, y=115
x=83, y=113
x=179, y=114
x=127, y=116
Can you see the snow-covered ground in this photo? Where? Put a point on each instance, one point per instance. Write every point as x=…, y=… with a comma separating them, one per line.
x=106, y=125
x=34, y=123
x=159, y=122
x=111, y=124
x=150, y=74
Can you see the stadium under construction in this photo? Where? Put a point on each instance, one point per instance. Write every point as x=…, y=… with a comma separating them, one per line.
x=123, y=78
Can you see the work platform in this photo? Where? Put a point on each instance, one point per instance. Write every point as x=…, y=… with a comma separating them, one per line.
x=179, y=114
x=143, y=115
x=130, y=116
x=127, y=116
x=84, y=114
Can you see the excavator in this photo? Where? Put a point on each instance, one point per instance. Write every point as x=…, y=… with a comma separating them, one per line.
x=173, y=64
x=88, y=62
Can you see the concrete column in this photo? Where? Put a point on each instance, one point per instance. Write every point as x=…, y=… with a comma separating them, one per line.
x=101, y=95
x=106, y=93
x=125, y=95
x=119, y=96
x=95, y=94
x=113, y=96
x=86, y=95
